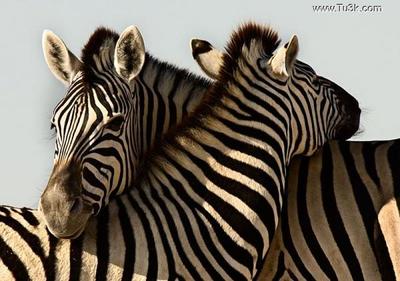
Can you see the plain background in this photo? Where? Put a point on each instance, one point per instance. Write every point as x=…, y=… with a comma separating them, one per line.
x=360, y=51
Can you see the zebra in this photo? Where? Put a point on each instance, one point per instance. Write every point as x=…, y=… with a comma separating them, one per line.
x=28, y=251
x=340, y=220
x=161, y=95
x=265, y=109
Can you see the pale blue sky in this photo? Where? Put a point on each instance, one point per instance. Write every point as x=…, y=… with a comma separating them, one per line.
x=360, y=51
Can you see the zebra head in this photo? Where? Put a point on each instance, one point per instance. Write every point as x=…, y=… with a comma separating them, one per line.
x=318, y=107
x=94, y=156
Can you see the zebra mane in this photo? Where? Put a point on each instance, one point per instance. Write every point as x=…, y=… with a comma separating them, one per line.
x=104, y=38
x=242, y=37
x=101, y=39
x=165, y=68
x=247, y=33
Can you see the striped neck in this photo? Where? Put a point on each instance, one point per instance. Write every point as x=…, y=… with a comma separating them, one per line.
x=226, y=162
x=165, y=94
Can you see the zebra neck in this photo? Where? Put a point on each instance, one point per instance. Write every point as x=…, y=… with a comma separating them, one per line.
x=166, y=95
x=226, y=165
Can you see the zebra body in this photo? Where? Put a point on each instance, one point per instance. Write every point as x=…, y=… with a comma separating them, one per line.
x=341, y=218
x=337, y=222
x=198, y=209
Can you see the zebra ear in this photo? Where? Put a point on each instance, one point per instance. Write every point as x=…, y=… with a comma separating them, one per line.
x=129, y=53
x=283, y=61
x=207, y=56
x=61, y=62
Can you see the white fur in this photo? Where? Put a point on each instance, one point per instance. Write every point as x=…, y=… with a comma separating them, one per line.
x=131, y=36
x=69, y=63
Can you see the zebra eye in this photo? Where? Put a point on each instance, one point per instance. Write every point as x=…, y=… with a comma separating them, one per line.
x=115, y=123
x=52, y=126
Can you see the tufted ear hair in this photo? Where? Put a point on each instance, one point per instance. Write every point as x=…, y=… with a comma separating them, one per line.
x=283, y=61
x=207, y=56
x=129, y=53
x=62, y=63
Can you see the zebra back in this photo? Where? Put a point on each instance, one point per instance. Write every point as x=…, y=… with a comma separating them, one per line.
x=341, y=218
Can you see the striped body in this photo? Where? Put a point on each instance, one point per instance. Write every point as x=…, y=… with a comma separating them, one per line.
x=293, y=255
x=338, y=222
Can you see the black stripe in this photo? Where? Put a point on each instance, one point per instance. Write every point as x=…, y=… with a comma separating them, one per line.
x=102, y=244
x=187, y=101
x=152, y=250
x=50, y=261
x=287, y=239
x=129, y=241
x=161, y=107
x=258, y=153
x=306, y=130
x=277, y=95
x=203, y=230
x=305, y=224
x=166, y=244
x=334, y=219
x=149, y=116
x=188, y=231
x=382, y=253
x=394, y=160
x=368, y=152
x=173, y=117
x=362, y=197
x=281, y=267
x=270, y=122
x=92, y=180
x=28, y=216
x=177, y=241
x=141, y=130
x=31, y=239
x=231, y=215
x=385, y=263
x=255, y=133
x=251, y=198
x=237, y=252
x=13, y=263
x=75, y=258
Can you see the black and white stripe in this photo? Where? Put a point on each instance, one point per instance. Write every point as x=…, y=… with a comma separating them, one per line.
x=208, y=198
x=165, y=94
x=327, y=232
x=341, y=217
x=105, y=123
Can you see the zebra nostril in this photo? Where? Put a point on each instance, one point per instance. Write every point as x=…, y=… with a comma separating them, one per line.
x=76, y=207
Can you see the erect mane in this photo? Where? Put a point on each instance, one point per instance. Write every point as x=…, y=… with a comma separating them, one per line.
x=242, y=37
x=165, y=68
x=101, y=38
